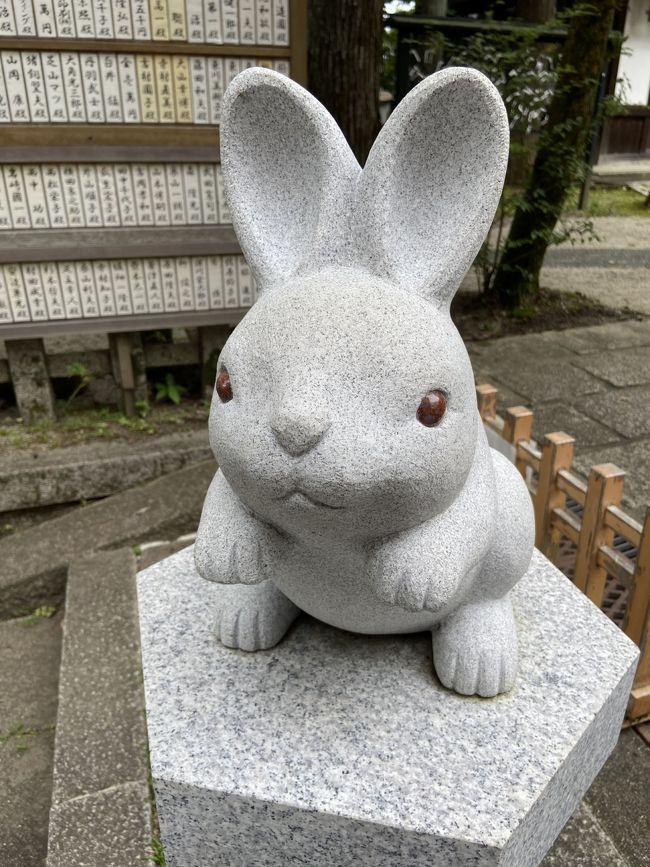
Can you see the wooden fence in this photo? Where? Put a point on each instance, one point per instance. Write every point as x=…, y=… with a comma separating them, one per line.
x=610, y=546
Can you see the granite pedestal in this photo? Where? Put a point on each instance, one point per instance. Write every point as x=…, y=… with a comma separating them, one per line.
x=340, y=750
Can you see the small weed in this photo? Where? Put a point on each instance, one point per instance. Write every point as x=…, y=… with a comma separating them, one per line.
x=6, y=529
x=76, y=425
x=157, y=853
x=142, y=408
x=85, y=377
x=41, y=613
x=137, y=550
x=22, y=733
x=524, y=314
x=136, y=424
x=16, y=437
x=170, y=390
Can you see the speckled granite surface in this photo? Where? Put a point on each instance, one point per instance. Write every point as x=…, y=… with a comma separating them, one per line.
x=338, y=749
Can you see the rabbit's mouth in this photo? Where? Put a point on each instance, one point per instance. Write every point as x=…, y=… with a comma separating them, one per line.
x=297, y=497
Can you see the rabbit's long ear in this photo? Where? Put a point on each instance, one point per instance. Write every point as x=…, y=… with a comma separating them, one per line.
x=289, y=176
x=432, y=183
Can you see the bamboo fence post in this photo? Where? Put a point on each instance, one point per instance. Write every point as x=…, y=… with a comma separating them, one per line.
x=517, y=426
x=557, y=453
x=604, y=488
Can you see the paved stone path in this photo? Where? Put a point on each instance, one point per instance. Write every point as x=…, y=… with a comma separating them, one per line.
x=30, y=650
x=614, y=269
x=593, y=383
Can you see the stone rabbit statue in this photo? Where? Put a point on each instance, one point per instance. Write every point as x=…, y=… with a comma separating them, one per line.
x=355, y=480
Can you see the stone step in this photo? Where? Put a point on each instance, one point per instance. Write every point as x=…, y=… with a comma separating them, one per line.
x=87, y=472
x=30, y=650
x=33, y=562
x=100, y=802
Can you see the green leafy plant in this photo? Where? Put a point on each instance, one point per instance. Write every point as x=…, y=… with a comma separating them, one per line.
x=79, y=370
x=170, y=390
x=142, y=408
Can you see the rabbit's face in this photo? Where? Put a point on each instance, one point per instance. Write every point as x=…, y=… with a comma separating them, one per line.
x=345, y=407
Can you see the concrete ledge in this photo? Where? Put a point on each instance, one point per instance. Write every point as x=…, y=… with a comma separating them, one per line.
x=94, y=470
x=110, y=828
x=33, y=563
x=101, y=812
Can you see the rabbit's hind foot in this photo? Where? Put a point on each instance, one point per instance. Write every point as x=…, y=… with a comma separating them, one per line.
x=475, y=648
x=253, y=617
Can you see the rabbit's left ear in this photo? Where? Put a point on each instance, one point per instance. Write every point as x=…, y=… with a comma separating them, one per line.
x=432, y=182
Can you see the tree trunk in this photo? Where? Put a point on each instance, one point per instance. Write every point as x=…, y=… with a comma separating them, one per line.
x=560, y=154
x=345, y=40
x=535, y=11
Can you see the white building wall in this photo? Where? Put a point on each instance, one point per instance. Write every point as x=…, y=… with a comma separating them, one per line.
x=634, y=65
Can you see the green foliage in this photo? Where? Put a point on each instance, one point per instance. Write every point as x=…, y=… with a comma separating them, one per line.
x=142, y=408
x=40, y=613
x=78, y=369
x=169, y=389
x=84, y=424
x=610, y=202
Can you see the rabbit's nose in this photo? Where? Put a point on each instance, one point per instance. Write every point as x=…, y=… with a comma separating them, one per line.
x=298, y=429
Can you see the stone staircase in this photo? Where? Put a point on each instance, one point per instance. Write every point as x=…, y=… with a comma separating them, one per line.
x=73, y=745
x=100, y=754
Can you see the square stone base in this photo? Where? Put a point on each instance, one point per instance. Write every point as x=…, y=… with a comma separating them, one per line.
x=341, y=750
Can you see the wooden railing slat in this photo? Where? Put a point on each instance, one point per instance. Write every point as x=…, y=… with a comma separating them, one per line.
x=623, y=525
x=566, y=523
x=572, y=485
x=616, y=564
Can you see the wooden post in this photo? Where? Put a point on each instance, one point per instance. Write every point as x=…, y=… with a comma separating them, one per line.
x=212, y=339
x=127, y=360
x=638, y=606
x=557, y=453
x=604, y=488
x=517, y=426
x=486, y=397
x=298, y=39
x=639, y=705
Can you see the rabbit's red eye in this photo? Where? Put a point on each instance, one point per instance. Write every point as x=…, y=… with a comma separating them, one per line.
x=432, y=408
x=223, y=386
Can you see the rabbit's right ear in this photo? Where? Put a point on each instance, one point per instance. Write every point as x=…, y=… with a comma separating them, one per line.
x=289, y=176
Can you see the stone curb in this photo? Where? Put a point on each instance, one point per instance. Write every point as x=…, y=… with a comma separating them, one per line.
x=34, y=562
x=95, y=470
x=111, y=828
x=101, y=812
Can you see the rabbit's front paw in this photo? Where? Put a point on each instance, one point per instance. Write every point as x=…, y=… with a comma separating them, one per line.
x=475, y=649
x=254, y=617
x=404, y=575
x=243, y=558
